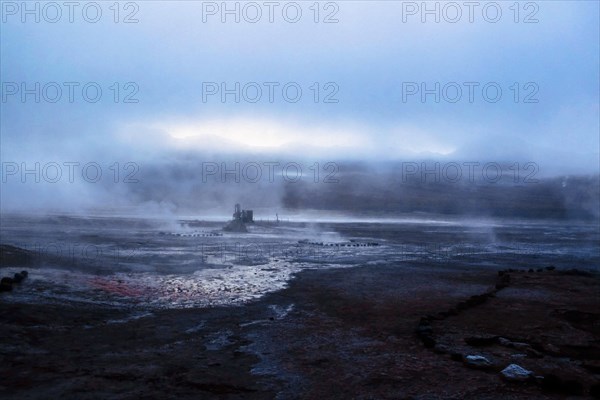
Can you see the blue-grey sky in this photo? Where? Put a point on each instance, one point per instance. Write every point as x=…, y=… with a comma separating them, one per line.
x=370, y=57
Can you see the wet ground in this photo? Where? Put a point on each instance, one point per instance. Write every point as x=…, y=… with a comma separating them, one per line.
x=328, y=317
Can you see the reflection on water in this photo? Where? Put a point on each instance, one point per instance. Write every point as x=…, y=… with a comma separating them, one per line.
x=157, y=263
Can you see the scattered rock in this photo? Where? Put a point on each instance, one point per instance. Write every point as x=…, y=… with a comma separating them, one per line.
x=424, y=330
x=503, y=281
x=551, y=349
x=478, y=362
x=479, y=341
x=533, y=353
x=520, y=346
x=477, y=299
x=595, y=391
x=516, y=373
x=428, y=341
x=577, y=272
x=5, y=287
x=8, y=281
x=441, y=349
x=550, y=268
x=18, y=277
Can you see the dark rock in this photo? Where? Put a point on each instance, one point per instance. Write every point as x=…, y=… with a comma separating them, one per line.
x=540, y=270
x=5, y=287
x=530, y=270
x=478, y=341
x=477, y=300
x=456, y=356
x=533, y=353
x=8, y=281
x=25, y=273
x=595, y=390
x=441, y=349
x=550, y=268
x=18, y=278
x=501, y=285
x=428, y=341
x=576, y=272
x=550, y=349
x=424, y=330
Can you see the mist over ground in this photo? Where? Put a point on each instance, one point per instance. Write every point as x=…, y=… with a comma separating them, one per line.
x=187, y=186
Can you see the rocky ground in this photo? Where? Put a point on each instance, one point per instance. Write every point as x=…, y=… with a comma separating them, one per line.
x=385, y=332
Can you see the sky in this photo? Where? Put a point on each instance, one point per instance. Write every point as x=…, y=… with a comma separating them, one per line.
x=379, y=81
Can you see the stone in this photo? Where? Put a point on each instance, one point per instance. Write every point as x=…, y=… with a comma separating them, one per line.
x=477, y=300
x=516, y=373
x=577, y=272
x=478, y=341
x=424, y=330
x=479, y=362
x=8, y=281
x=18, y=278
x=5, y=287
x=595, y=391
x=502, y=281
x=428, y=341
x=533, y=353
